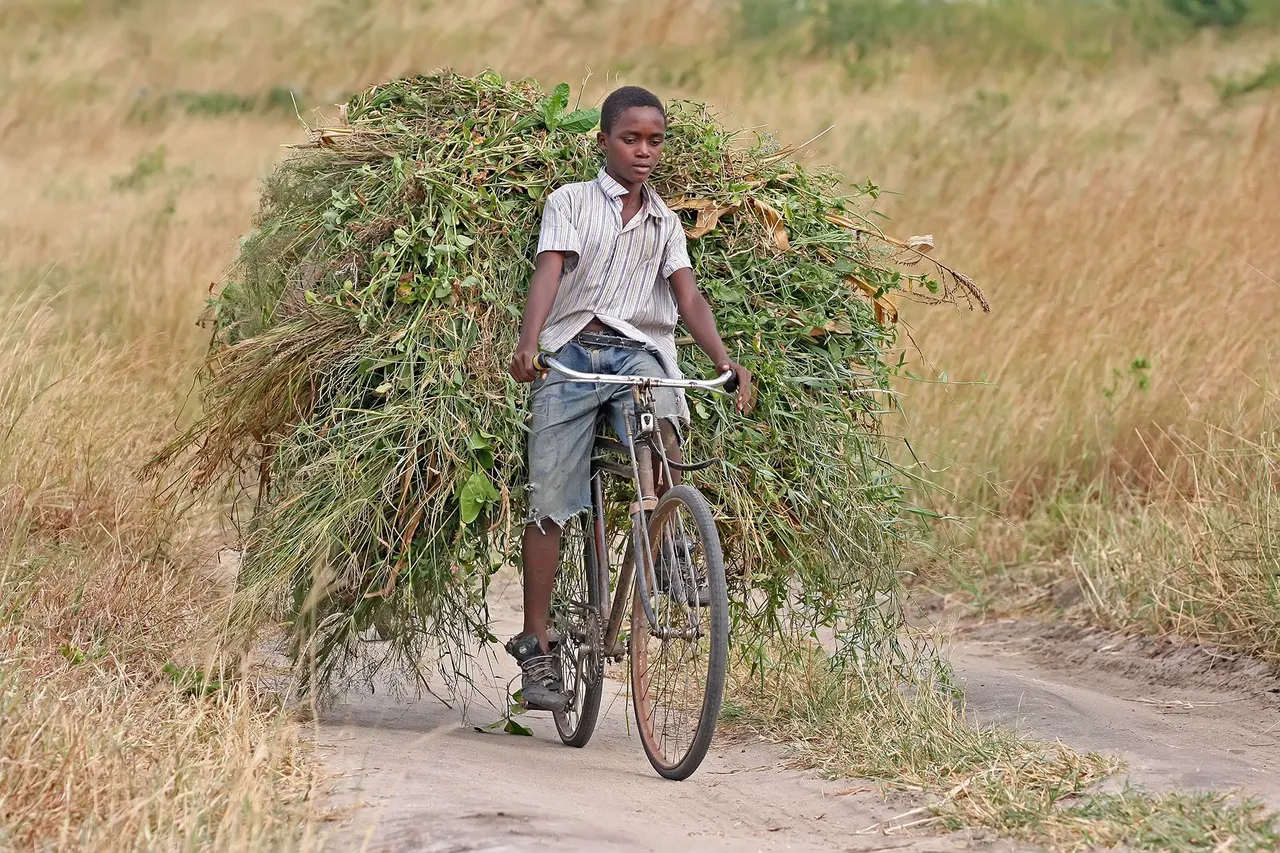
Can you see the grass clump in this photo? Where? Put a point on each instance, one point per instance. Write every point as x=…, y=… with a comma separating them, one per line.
x=359, y=367
x=1194, y=554
x=1262, y=80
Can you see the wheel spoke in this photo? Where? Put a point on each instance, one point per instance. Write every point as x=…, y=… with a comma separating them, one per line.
x=575, y=618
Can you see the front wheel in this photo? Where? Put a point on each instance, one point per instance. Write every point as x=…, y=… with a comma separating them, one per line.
x=678, y=664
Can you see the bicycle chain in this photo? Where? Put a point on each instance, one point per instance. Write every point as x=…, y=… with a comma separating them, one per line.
x=596, y=653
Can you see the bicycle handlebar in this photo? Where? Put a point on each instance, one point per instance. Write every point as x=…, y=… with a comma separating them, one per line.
x=727, y=381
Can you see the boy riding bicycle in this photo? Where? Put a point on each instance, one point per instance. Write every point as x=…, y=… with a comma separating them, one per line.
x=612, y=277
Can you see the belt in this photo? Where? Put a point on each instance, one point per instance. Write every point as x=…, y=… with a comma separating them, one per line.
x=605, y=339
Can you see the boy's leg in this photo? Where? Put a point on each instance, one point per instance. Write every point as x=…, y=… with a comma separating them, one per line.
x=540, y=550
x=561, y=438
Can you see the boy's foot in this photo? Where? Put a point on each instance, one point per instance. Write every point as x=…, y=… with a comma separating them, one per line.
x=541, y=684
x=673, y=579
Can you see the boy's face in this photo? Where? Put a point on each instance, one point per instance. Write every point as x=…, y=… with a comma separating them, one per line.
x=634, y=145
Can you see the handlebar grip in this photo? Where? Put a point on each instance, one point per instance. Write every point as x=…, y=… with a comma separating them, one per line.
x=732, y=385
x=540, y=362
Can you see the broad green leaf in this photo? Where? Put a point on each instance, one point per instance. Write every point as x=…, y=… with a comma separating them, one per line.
x=555, y=105
x=580, y=121
x=514, y=728
x=478, y=444
x=476, y=494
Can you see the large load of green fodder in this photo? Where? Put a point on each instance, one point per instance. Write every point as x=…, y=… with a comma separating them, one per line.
x=357, y=374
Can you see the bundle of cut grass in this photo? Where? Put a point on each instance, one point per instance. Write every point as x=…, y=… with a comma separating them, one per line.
x=358, y=368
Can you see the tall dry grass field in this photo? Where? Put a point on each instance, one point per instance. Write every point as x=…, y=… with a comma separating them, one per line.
x=1122, y=428
x=110, y=595
x=1120, y=214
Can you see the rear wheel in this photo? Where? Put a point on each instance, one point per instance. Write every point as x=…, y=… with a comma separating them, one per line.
x=575, y=616
x=678, y=665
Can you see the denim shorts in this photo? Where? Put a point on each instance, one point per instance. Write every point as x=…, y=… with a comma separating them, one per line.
x=562, y=424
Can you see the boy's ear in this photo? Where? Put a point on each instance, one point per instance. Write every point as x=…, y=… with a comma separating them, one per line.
x=600, y=139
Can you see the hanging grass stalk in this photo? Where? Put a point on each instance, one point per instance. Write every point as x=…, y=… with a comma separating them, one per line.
x=357, y=372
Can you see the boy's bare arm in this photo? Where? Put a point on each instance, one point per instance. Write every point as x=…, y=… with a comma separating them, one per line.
x=543, y=288
x=702, y=325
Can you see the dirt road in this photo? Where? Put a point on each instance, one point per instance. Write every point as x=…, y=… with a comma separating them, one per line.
x=1182, y=716
x=418, y=778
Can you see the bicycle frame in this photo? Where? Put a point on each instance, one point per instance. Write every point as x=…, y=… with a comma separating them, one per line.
x=641, y=556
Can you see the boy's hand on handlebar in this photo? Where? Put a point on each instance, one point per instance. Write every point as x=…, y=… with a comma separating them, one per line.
x=742, y=378
x=522, y=368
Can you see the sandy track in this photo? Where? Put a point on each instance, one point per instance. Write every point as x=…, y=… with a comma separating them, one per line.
x=1182, y=716
x=420, y=778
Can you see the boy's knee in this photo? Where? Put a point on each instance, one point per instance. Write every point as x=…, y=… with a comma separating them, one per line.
x=670, y=436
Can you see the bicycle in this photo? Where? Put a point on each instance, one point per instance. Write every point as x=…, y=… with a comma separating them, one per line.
x=678, y=641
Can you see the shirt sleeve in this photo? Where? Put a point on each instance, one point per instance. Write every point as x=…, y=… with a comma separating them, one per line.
x=675, y=254
x=558, y=233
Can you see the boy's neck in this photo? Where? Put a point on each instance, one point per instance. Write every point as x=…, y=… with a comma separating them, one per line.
x=633, y=188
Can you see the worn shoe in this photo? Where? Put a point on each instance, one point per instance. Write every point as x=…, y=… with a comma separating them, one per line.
x=541, y=683
x=673, y=578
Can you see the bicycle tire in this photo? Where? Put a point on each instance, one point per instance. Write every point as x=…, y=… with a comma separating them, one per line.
x=577, y=595
x=680, y=761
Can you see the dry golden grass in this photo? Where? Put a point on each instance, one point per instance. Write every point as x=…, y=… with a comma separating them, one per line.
x=1142, y=234
x=1112, y=215
x=108, y=602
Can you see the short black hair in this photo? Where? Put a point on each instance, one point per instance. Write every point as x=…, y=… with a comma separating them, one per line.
x=621, y=100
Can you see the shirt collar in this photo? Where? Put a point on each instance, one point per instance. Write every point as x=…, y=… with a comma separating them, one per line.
x=653, y=205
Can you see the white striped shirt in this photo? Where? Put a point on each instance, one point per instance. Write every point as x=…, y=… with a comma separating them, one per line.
x=615, y=273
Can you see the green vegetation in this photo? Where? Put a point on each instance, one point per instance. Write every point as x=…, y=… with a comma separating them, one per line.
x=148, y=165
x=996, y=33
x=361, y=352
x=214, y=103
x=1266, y=78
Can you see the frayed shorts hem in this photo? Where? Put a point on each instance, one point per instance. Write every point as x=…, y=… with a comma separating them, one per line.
x=538, y=518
